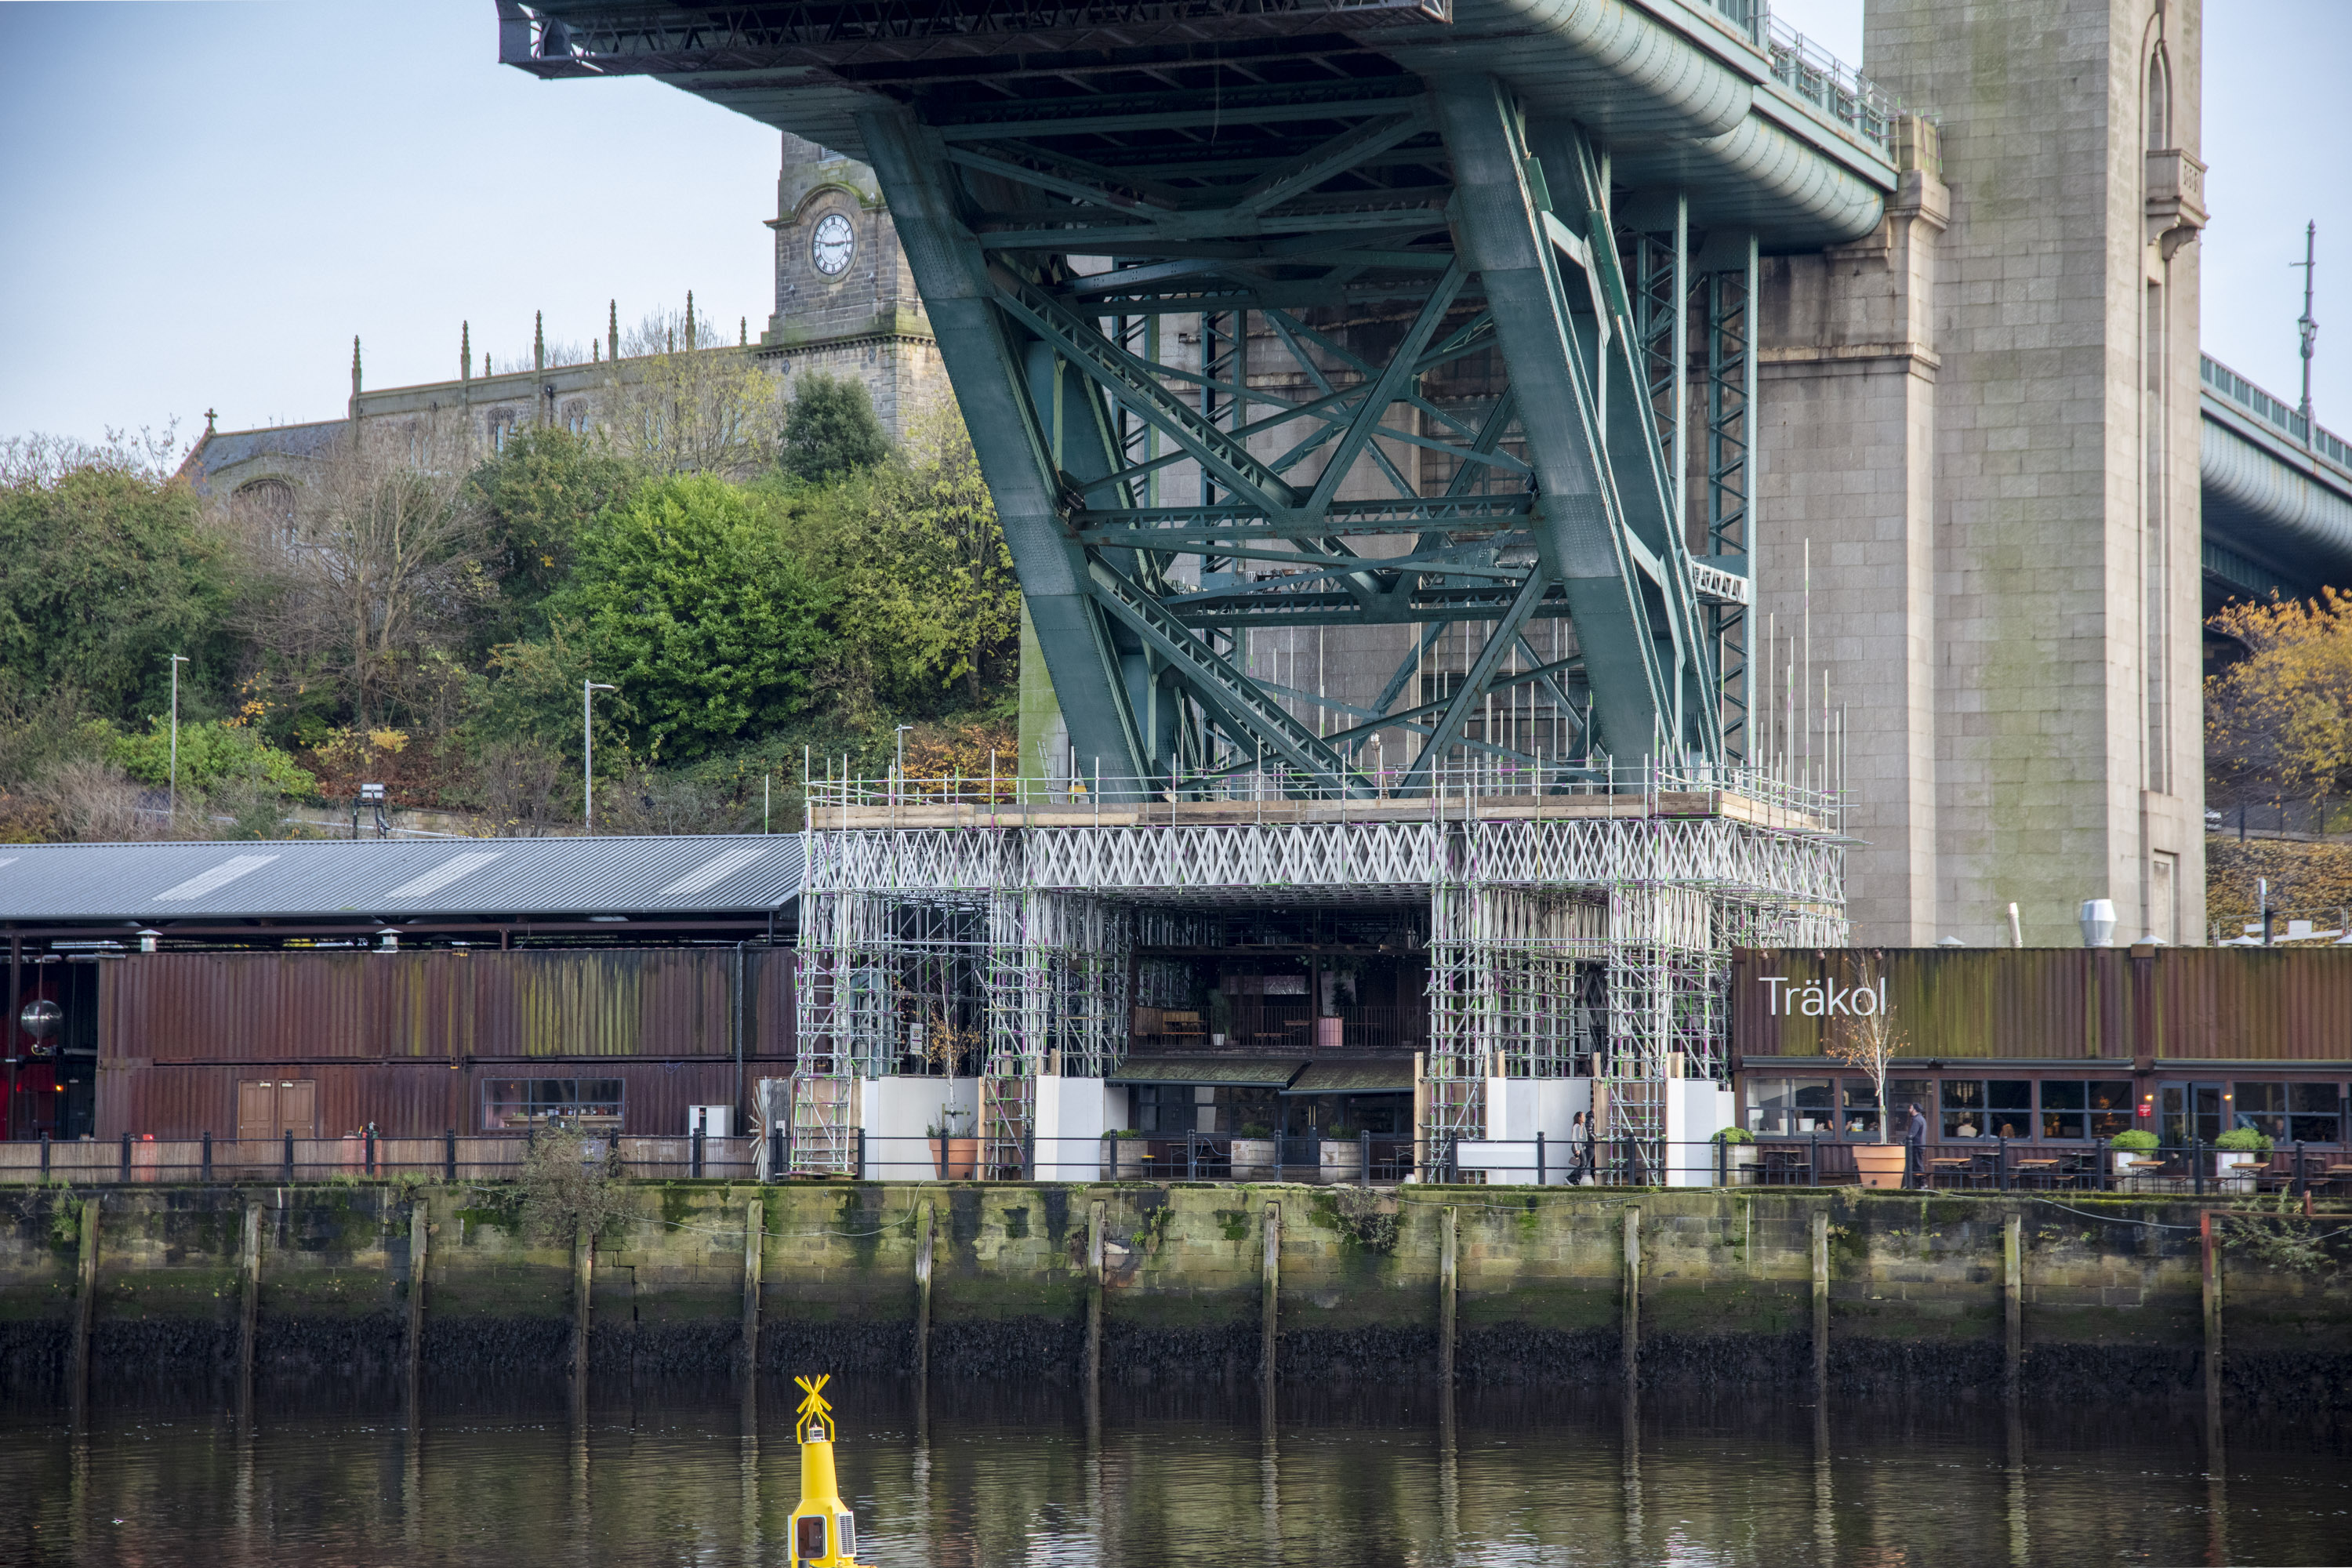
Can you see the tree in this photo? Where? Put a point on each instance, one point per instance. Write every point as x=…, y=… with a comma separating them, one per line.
x=688, y=601
x=382, y=569
x=830, y=431
x=110, y=570
x=686, y=409
x=537, y=493
x=1869, y=1042
x=2285, y=711
x=924, y=594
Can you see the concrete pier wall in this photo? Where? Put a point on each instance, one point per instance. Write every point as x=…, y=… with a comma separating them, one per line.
x=2112, y=1291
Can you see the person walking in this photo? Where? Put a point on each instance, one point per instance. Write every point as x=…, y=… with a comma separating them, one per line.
x=1915, y=1139
x=1579, y=1143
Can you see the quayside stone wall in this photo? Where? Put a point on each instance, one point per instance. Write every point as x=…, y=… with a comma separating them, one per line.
x=2111, y=1292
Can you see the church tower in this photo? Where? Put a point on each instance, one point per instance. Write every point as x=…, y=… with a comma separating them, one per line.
x=846, y=303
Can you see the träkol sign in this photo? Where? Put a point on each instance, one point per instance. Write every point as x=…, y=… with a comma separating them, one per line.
x=1787, y=996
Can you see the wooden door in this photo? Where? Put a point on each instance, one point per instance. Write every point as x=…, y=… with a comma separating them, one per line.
x=256, y=1109
x=298, y=1107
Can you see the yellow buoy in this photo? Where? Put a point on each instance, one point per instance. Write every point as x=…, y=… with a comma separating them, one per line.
x=824, y=1533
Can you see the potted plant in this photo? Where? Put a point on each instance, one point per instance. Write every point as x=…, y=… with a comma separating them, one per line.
x=955, y=1156
x=2129, y=1147
x=1867, y=1043
x=1343, y=1153
x=1739, y=1155
x=2236, y=1153
x=1256, y=1156
x=1127, y=1159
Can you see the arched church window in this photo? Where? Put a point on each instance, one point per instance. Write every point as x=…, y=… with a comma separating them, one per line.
x=267, y=506
x=2157, y=111
x=502, y=423
x=574, y=415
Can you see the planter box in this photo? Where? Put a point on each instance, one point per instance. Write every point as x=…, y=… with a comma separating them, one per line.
x=1256, y=1159
x=2127, y=1159
x=1740, y=1163
x=1127, y=1164
x=1881, y=1164
x=956, y=1159
x=1343, y=1160
x=2235, y=1170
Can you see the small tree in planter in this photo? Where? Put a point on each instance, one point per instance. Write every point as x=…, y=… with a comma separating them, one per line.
x=1868, y=1043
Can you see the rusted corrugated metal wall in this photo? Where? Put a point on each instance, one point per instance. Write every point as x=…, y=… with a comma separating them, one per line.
x=2062, y=1004
x=406, y=1040
x=262, y=1006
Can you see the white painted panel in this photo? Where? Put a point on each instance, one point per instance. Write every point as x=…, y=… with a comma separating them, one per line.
x=220, y=876
x=444, y=874
x=714, y=871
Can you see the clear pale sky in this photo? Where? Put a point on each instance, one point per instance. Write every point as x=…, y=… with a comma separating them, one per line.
x=202, y=203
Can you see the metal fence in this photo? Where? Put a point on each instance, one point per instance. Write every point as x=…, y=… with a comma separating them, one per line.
x=448, y=1157
x=2193, y=1170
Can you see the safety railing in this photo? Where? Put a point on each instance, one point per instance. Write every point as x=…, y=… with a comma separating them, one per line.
x=1831, y=86
x=1812, y=788
x=2196, y=1169
x=2288, y=421
x=448, y=1157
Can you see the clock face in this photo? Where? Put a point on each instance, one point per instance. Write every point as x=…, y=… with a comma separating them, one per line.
x=832, y=245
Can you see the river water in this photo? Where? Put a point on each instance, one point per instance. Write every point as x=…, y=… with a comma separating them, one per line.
x=990, y=1475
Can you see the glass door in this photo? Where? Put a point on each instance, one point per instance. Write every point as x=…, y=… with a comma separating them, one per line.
x=2189, y=1112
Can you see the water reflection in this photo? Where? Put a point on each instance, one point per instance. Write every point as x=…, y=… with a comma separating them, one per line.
x=1163, y=1478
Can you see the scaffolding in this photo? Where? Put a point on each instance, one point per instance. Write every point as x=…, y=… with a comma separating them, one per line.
x=1578, y=925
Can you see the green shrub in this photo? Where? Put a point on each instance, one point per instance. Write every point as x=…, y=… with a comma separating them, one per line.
x=2137, y=1140
x=1735, y=1135
x=2243, y=1140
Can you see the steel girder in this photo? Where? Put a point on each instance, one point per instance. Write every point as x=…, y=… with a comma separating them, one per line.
x=1433, y=441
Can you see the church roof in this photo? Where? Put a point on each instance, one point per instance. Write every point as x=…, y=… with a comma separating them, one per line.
x=224, y=449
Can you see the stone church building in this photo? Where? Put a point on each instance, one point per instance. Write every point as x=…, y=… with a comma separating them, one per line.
x=846, y=306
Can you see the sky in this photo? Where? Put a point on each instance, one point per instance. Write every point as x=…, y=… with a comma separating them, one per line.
x=201, y=203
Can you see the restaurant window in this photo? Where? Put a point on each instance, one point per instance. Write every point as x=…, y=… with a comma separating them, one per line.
x=2098, y=1109
x=511, y=1104
x=1860, y=1098
x=1987, y=1108
x=2315, y=1112
x=1173, y=1110
x=1902, y=1093
x=2260, y=1106
x=1790, y=1105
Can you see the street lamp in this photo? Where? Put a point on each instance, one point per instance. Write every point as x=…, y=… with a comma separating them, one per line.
x=588, y=689
x=177, y=660
x=901, y=739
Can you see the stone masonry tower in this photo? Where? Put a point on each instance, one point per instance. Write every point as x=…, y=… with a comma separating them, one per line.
x=1984, y=419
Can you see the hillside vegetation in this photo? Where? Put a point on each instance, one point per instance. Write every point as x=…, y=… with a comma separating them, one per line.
x=423, y=615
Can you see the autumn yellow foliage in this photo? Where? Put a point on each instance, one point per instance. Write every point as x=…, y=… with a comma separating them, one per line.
x=2285, y=711
x=2308, y=882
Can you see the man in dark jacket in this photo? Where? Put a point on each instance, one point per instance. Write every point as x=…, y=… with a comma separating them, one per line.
x=1915, y=1139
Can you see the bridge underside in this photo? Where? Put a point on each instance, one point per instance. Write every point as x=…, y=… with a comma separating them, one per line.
x=1257, y=330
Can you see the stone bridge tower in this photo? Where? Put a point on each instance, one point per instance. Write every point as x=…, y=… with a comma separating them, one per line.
x=1982, y=420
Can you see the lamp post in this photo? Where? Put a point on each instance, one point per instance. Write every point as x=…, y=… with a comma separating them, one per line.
x=177, y=660
x=588, y=689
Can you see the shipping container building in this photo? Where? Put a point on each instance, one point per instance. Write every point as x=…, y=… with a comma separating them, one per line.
x=2058, y=1047
x=325, y=987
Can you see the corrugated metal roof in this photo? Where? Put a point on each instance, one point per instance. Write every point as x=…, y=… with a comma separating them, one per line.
x=1228, y=1072
x=384, y=879
x=1354, y=1078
